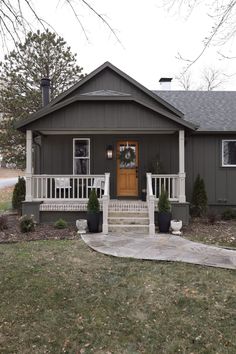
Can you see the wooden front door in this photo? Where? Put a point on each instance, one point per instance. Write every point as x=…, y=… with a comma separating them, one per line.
x=127, y=169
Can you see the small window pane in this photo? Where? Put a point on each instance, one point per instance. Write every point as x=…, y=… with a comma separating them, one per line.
x=81, y=148
x=81, y=167
x=229, y=152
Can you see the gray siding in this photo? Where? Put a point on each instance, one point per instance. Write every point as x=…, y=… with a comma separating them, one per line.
x=57, y=154
x=109, y=80
x=203, y=156
x=104, y=115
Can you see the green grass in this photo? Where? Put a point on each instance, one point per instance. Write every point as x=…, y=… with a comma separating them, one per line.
x=5, y=206
x=61, y=297
x=5, y=198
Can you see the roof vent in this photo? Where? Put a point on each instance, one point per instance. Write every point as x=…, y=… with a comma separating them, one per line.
x=165, y=83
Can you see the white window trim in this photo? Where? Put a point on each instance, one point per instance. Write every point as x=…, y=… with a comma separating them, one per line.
x=74, y=158
x=222, y=153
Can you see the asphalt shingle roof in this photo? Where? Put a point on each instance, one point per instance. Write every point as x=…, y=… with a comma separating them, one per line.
x=211, y=110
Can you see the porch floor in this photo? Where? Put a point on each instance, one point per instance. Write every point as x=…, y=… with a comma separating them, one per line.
x=161, y=247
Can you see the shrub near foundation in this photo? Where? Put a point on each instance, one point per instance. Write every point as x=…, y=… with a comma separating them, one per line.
x=60, y=224
x=18, y=194
x=198, y=205
x=229, y=214
x=27, y=223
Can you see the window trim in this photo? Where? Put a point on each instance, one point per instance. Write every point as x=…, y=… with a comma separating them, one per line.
x=80, y=158
x=222, y=153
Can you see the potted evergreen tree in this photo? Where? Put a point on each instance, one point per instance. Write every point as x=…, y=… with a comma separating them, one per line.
x=93, y=212
x=164, y=214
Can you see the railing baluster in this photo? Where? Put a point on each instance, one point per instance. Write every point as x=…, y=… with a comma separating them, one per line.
x=59, y=187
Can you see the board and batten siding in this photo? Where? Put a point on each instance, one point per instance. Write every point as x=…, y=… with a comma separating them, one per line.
x=57, y=154
x=109, y=80
x=104, y=115
x=203, y=156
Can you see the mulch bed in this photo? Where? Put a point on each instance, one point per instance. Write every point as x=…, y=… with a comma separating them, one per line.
x=222, y=233
x=42, y=232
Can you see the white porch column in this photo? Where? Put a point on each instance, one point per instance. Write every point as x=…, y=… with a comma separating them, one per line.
x=182, y=175
x=29, y=137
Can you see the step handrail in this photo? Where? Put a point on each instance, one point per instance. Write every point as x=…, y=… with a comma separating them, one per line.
x=151, y=205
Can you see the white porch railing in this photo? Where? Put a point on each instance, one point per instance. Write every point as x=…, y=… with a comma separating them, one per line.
x=66, y=187
x=151, y=204
x=169, y=183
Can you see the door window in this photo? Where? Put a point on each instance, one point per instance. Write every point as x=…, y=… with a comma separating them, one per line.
x=127, y=156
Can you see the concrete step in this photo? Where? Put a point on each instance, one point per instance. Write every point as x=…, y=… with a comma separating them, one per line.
x=125, y=220
x=130, y=214
x=116, y=228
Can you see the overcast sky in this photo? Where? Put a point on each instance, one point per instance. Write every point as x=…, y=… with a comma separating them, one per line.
x=151, y=37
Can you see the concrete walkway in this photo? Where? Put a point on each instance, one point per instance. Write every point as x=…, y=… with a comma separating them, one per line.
x=161, y=247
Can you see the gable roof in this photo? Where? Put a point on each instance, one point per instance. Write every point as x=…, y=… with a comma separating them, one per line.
x=112, y=67
x=95, y=96
x=213, y=110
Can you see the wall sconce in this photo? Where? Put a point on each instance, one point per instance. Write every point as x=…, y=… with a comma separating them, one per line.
x=109, y=152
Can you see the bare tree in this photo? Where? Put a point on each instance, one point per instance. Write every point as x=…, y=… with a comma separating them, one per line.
x=185, y=80
x=15, y=21
x=223, y=16
x=211, y=79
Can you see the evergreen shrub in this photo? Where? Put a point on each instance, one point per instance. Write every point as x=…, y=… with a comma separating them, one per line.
x=93, y=203
x=60, y=224
x=18, y=194
x=198, y=206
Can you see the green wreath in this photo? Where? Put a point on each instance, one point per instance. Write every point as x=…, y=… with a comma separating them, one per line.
x=127, y=156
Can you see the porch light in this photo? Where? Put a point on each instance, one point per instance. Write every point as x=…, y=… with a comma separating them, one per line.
x=109, y=152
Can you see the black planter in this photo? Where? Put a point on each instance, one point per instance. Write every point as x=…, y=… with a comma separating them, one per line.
x=164, y=219
x=93, y=221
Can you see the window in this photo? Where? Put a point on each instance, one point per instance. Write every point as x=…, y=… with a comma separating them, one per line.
x=81, y=156
x=229, y=153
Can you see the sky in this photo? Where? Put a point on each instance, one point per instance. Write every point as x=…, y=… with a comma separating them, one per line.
x=150, y=36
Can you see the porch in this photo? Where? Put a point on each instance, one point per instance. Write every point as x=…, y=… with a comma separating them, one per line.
x=70, y=193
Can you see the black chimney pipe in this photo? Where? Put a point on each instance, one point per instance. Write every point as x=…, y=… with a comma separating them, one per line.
x=45, y=87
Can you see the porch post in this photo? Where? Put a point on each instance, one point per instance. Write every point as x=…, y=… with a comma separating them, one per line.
x=29, y=196
x=182, y=175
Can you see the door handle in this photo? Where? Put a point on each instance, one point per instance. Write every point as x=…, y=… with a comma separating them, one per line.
x=136, y=171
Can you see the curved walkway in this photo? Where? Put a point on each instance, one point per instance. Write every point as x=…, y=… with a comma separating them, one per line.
x=161, y=247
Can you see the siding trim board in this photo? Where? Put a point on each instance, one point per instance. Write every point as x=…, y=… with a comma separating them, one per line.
x=106, y=131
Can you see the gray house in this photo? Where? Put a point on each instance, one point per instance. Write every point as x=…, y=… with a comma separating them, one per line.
x=110, y=133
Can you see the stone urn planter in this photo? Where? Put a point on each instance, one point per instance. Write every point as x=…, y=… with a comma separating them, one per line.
x=176, y=226
x=81, y=225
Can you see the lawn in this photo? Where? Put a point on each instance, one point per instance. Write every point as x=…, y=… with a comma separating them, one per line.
x=5, y=198
x=61, y=297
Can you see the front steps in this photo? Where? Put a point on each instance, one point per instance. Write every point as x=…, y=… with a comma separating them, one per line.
x=128, y=216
